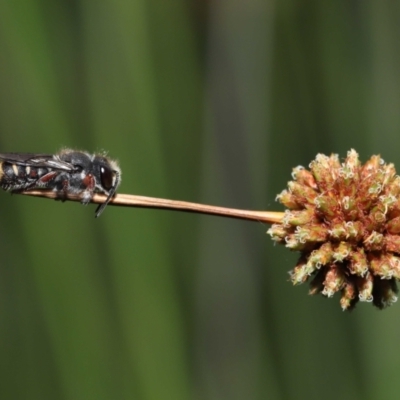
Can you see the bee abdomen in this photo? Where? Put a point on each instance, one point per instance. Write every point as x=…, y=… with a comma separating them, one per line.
x=19, y=177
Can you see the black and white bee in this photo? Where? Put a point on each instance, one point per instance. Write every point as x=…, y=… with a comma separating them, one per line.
x=67, y=172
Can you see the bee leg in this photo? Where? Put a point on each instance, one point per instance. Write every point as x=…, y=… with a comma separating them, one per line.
x=43, y=182
x=63, y=193
x=90, y=183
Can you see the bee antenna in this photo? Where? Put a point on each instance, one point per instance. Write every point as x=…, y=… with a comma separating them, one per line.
x=111, y=193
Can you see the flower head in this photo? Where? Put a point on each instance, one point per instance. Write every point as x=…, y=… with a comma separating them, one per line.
x=344, y=219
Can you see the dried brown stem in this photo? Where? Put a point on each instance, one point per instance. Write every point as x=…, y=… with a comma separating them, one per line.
x=127, y=200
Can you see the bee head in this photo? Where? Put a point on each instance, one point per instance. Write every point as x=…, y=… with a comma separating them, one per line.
x=108, y=178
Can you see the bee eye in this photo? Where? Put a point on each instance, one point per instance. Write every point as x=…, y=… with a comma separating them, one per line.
x=106, y=177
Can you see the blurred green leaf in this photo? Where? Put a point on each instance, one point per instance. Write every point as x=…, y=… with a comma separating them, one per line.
x=199, y=101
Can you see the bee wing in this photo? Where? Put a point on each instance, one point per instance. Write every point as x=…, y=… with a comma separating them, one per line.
x=36, y=160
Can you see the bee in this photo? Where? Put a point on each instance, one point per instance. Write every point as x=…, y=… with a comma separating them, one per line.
x=67, y=172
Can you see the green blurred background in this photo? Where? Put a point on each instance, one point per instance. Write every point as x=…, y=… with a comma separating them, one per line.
x=209, y=101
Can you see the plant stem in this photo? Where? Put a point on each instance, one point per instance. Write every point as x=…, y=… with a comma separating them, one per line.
x=127, y=200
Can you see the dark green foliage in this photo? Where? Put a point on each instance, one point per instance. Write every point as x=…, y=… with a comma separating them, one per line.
x=200, y=101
